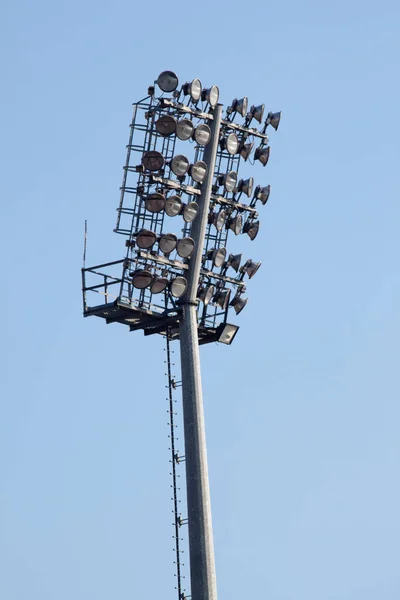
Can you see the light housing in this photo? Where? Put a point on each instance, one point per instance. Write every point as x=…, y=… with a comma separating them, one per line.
x=202, y=134
x=173, y=206
x=155, y=203
x=198, y=171
x=238, y=303
x=256, y=112
x=235, y=224
x=229, y=181
x=167, y=243
x=206, y=293
x=185, y=247
x=141, y=279
x=219, y=219
x=166, y=125
x=190, y=212
x=250, y=268
x=184, y=129
x=222, y=297
x=180, y=165
x=146, y=239
x=273, y=119
x=234, y=261
x=193, y=89
x=153, y=160
x=230, y=143
x=211, y=95
x=217, y=256
x=246, y=186
x=240, y=106
x=262, y=193
x=251, y=228
x=159, y=285
x=262, y=154
x=178, y=286
x=245, y=150
x=167, y=81
x=226, y=333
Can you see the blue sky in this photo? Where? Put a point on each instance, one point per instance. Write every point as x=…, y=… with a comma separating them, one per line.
x=302, y=411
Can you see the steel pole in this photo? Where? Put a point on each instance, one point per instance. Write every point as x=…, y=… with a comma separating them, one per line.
x=201, y=545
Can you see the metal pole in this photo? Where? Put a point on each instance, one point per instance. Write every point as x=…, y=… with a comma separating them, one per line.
x=201, y=546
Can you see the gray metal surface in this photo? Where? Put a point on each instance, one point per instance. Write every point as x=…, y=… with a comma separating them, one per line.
x=202, y=563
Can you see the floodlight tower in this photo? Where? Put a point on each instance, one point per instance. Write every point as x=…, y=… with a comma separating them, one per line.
x=176, y=283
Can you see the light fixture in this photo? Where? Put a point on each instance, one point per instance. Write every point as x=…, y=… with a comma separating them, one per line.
x=229, y=180
x=246, y=186
x=226, y=333
x=262, y=193
x=167, y=81
x=155, y=203
x=141, y=279
x=221, y=298
x=238, y=303
x=235, y=224
x=185, y=247
x=217, y=256
x=193, y=89
x=190, y=212
x=179, y=165
x=234, y=261
x=184, y=129
x=146, y=239
x=206, y=293
x=230, y=143
x=250, y=268
x=273, y=119
x=251, y=228
x=166, y=125
x=219, y=219
x=211, y=95
x=159, y=284
x=202, y=134
x=167, y=243
x=178, y=286
x=256, y=112
x=246, y=150
x=173, y=206
x=153, y=161
x=198, y=171
x=262, y=154
x=240, y=106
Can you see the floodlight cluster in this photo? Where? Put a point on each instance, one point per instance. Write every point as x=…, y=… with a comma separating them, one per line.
x=170, y=131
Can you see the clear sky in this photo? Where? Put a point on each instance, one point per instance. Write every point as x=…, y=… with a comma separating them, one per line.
x=302, y=411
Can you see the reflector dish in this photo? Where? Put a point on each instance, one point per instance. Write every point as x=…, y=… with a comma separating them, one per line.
x=155, y=202
x=179, y=165
x=184, y=129
x=153, y=161
x=167, y=243
x=202, y=134
x=185, y=247
x=198, y=171
x=159, y=284
x=178, y=287
x=146, y=239
x=190, y=212
x=167, y=81
x=166, y=125
x=173, y=206
x=141, y=279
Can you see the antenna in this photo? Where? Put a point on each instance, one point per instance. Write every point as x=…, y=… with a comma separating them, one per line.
x=84, y=245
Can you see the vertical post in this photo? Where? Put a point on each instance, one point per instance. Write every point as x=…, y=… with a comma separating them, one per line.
x=201, y=545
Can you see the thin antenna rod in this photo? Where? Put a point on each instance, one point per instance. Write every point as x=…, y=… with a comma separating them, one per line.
x=84, y=245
